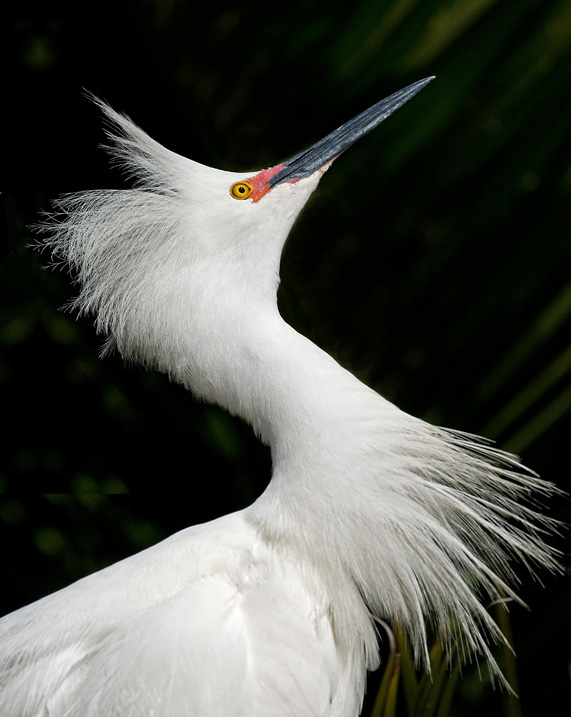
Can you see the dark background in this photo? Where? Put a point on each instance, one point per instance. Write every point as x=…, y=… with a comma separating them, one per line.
x=433, y=261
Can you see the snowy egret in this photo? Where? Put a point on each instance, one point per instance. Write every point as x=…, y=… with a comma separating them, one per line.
x=369, y=512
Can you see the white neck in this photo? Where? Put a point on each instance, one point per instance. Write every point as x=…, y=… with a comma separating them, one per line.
x=297, y=398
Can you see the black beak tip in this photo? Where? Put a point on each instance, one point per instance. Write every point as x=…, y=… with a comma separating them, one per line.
x=330, y=147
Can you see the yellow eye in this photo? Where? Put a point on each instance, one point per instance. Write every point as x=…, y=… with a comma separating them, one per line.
x=241, y=190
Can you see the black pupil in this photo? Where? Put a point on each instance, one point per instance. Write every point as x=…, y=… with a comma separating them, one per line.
x=241, y=190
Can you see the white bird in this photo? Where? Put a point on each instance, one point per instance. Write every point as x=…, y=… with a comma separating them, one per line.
x=369, y=512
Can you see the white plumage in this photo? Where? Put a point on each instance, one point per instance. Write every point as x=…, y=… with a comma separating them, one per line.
x=370, y=511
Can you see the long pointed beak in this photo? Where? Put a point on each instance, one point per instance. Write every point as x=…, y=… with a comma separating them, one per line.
x=330, y=147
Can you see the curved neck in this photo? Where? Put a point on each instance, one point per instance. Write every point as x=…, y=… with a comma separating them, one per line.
x=292, y=393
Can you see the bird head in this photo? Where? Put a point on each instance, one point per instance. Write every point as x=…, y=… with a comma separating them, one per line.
x=189, y=247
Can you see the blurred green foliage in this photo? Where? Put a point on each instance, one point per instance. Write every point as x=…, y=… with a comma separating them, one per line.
x=433, y=261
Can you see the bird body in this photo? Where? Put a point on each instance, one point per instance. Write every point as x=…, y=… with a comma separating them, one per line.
x=186, y=627
x=370, y=512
